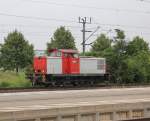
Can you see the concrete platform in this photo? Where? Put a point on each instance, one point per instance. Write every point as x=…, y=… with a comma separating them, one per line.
x=87, y=105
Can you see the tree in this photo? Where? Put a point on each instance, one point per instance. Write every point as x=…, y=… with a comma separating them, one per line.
x=138, y=44
x=119, y=42
x=16, y=52
x=101, y=44
x=138, y=61
x=117, y=57
x=120, y=34
x=62, y=39
x=137, y=68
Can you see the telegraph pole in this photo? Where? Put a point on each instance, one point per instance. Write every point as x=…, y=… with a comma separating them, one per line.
x=84, y=21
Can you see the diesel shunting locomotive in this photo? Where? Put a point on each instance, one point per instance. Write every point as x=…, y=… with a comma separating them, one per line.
x=66, y=67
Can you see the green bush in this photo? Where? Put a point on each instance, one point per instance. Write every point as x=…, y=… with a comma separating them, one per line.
x=4, y=84
x=12, y=79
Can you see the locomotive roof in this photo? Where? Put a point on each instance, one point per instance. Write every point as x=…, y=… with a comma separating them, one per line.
x=65, y=50
x=68, y=50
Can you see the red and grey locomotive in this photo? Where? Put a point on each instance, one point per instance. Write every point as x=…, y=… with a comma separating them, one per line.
x=65, y=66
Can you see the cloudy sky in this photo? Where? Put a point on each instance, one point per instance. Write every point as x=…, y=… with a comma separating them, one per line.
x=38, y=19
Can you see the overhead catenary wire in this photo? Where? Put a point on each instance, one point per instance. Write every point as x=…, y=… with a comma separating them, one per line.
x=69, y=21
x=38, y=26
x=53, y=19
x=66, y=20
x=71, y=26
x=42, y=33
x=60, y=20
x=36, y=18
x=96, y=22
x=39, y=33
x=88, y=7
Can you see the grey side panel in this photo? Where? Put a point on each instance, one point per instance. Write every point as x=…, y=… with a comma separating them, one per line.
x=54, y=65
x=92, y=66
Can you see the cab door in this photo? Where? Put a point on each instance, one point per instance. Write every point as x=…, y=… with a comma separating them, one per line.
x=74, y=64
x=65, y=63
x=71, y=63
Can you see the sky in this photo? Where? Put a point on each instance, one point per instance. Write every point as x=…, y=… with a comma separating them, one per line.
x=38, y=19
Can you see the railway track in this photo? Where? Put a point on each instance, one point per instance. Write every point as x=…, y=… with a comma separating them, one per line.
x=36, y=89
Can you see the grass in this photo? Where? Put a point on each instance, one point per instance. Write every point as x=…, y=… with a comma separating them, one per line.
x=12, y=80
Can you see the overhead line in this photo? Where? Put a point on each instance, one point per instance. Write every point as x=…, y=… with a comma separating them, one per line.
x=75, y=35
x=89, y=7
x=36, y=26
x=123, y=25
x=37, y=18
x=62, y=20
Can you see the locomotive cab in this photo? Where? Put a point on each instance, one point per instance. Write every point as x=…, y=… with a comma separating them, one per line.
x=70, y=60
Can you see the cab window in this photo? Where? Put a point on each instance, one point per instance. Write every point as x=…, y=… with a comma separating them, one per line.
x=71, y=55
x=65, y=54
x=58, y=54
x=55, y=54
x=52, y=54
x=76, y=55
